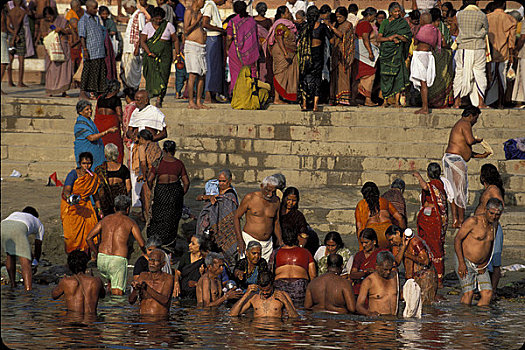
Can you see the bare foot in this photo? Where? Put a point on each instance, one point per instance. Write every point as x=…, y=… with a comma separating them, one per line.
x=192, y=105
x=455, y=106
x=371, y=104
x=11, y=84
x=65, y=95
x=483, y=106
x=49, y=95
x=22, y=85
x=422, y=111
x=208, y=101
x=203, y=106
x=396, y=105
x=278, y=102
x=315, y=109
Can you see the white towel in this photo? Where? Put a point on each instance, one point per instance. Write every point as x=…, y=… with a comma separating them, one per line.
x=412, y=296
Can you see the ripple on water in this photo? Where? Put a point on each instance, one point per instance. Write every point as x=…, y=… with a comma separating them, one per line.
x=34, y=320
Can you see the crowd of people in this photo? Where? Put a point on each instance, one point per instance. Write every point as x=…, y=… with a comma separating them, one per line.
x=434, y=56
x=258, y=251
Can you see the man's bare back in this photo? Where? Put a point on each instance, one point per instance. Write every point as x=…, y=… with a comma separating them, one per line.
x=193, y=30
x=330, y=292
x=461, y=138
x=476, y=236
x=492, y=191
x=81, y=292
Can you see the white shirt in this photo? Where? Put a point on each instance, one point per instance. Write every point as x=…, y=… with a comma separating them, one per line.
x=34, y=225
x=425, y=5
x=128, y=45
x=150, y=116
x=299, y=5
x=353, y=19
x=210, y=10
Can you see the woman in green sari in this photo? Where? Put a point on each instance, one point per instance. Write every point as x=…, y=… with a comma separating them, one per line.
x=395, y=37
x=158, y=39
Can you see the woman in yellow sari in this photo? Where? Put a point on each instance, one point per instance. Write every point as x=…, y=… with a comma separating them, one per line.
x=76, y=211
x=250, y=93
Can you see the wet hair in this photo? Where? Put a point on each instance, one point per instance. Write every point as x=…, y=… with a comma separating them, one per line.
x=130, y=92
x=49, y=11
x=282, y=181
x=146, y=135
x=82, y=104
x=290, y=191
x=336, y=237
x=381, y=12
x=369, y=233
x=341, y=10
x=270, y=180
x=393, y=230
x=77, y=261
x=85, y=155
x=227, y=173
x=494, y=203
x=414, y=15
x=239, y=7
x=384, y=256
x=448, y=5
x=471, y=110
x=253, y=244
x=398, y=183
x=111, y=152
x=103, y=9
x=325, y=9
x=122, y=202
x=370, y=193
x=261, y=8
x=208, y=260
x=290, y=236
x=153, y=241
x=202, y=240
x=281, y=10
x=113, y=85
x=436, y=14
x=489, y=174
x=31, y=210
x=394, y=5
x=158, y=12
x=500, y=4
x=265, y=278
x=169, y=146
x=353, y=8
x=369, y=11
x=434, y=171
x=334, y=260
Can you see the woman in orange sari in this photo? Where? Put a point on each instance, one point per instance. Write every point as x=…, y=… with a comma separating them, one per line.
x=342, y=58
x=76, y=211
x=432, y=219
x=108, y=114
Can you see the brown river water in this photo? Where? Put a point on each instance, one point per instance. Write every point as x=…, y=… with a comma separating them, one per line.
x=34, y=321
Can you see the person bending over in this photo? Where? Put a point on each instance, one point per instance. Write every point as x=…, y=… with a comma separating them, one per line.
x=209, y=288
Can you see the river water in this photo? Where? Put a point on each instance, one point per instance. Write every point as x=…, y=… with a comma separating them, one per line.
x=33, y=320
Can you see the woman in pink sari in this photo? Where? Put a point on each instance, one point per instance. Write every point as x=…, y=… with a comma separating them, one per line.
x=242, y=43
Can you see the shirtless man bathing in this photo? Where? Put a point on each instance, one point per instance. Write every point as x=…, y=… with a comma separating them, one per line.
x=195, y=53
x=81, y=291
x=474, y=248
x=266, y=302
x=458, y=153
x=330, y=291
x=262, y=218
x=154, y=288
x=112, y=253
x=381, y=288
x=209, y=287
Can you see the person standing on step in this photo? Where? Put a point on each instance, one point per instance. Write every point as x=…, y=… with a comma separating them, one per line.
x=212, y=24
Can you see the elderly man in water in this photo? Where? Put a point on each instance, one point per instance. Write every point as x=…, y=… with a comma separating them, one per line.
x=265, y=300
x=262, y=218
x=209, y=287
x=154, y=288
x=381, y=288
x=330, y=291
x=81, y=291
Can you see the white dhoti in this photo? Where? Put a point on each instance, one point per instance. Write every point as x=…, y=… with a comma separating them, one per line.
x=136, y=187
x=455, y=170
x=131, y=69
x=470, y=79
x=195, y=57
x=422, y=68
x=267, y=246
x=496, y=69
x=412, y=296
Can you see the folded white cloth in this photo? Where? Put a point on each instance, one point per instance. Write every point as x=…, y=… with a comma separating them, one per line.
x=412, y=296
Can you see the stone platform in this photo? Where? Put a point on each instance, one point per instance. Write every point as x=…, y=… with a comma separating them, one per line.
x=328, y=155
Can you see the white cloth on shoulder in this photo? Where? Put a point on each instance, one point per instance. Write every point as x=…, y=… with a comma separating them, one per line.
x=195, y=57
x=422, y=68
x=148, y=117
x=412, y=296
x=470, y=79
x=455, y=169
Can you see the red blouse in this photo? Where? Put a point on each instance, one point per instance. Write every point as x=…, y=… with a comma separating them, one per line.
x=296, y=256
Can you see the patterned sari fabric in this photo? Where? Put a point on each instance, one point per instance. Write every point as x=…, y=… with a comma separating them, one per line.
x=392, y=56
x=432, y=223
x=156, y=70
x=106, y=192
x=342, y=58
x=79, y=219
x=295, y=287
x=440, y=94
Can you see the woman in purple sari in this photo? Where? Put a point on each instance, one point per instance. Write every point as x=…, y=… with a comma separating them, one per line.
x=242, y=43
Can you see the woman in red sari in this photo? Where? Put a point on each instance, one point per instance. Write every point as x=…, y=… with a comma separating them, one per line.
x=367, y=54
x=365, y=260
x=432, y=220
x=108, y=114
